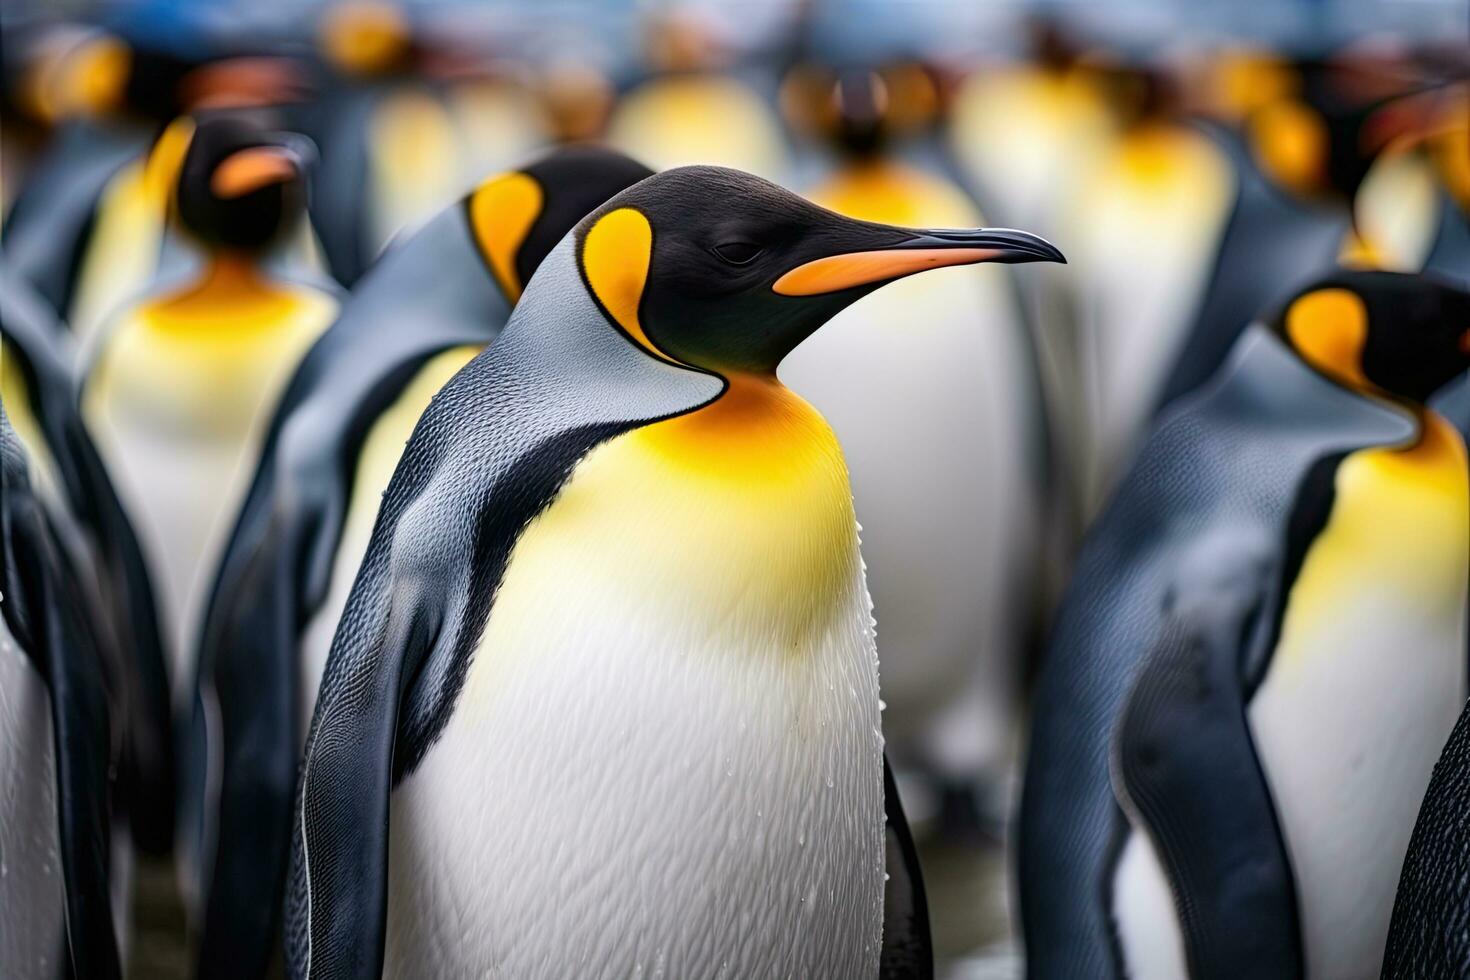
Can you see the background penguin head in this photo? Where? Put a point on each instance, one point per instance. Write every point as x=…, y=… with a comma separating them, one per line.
x=519, y=217
x=241, y=185
x=860, y=111
x=721, y=270
x=1388, y=333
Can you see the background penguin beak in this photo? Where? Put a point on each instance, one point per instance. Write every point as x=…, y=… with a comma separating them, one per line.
x=925, y=250
x=253, y=168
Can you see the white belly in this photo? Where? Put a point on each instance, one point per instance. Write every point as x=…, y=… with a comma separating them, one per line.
x=178, y=419
x=925, y=384
x=1348, y=742
x=1149, y=933
x=1366, y=684
x=34, y=927
x=618, y=798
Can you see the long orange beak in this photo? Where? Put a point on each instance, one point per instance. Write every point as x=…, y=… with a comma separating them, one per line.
x=251, y=169
x=926, y=250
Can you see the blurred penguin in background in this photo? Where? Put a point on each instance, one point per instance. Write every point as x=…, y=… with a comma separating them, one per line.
x=99, y=103
x=1146, y=219
x=691, y=110
x=56, y=749
x=1241, y=215
x=947, y=477
x=390, y=156
x=181, y=387
x=66, y=474
x=88, y=229
x=1260, y=656
x=1414, y=204
x=57, y=76
x=423, y=312
x=1022, y=129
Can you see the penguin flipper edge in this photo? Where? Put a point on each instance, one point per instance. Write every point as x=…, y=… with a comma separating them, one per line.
x=337, y=890
x=908, y=952
x=1185, y=767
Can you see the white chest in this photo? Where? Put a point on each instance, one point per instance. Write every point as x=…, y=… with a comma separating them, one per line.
x=660, y=763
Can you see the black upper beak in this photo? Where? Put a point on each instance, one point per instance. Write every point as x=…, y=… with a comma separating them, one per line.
x=1010, y=245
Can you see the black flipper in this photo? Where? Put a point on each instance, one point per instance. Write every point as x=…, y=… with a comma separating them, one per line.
x=1185, y=766
x=44, y=612
x=47, y=230
x=908, y=949
x=257, y=744
x=148, y=773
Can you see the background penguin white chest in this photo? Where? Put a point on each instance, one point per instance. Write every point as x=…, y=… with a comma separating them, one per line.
x=178, y=402
x=1365, y=685
x=666, y=758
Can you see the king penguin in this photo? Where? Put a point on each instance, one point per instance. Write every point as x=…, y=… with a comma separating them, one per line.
x=180, y=390
x=1260, y=656
x=89, y=227
x=424, y=311
x=55, y=749
x=952, y=556
x=605, y=692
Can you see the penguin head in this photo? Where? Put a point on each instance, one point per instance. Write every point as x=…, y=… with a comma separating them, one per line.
x=518, y=217
x=860, y=110
x=721, y=270
x=1393, y=334
x=241, y=185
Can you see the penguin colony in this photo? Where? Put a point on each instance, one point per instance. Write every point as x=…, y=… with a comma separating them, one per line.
x=509, y=495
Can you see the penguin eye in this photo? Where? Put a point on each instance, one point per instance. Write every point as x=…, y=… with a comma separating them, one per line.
x=738, y=253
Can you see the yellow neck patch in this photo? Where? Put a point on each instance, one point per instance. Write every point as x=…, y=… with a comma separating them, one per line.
x=502, y=212
x=1329, y=328
x=736, y=519
x=616, y=253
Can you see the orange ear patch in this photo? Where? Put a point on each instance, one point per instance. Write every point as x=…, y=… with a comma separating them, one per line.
x=502, y=212
x=1329, y=328
x=616, y=253
x=250, y=170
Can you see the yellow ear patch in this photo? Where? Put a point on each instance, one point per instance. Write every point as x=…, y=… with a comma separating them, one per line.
x=1291, y=145
x=1329, y=328
x=364, y=36
x=502, y=211
x=615, y=258
x=161, y=173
